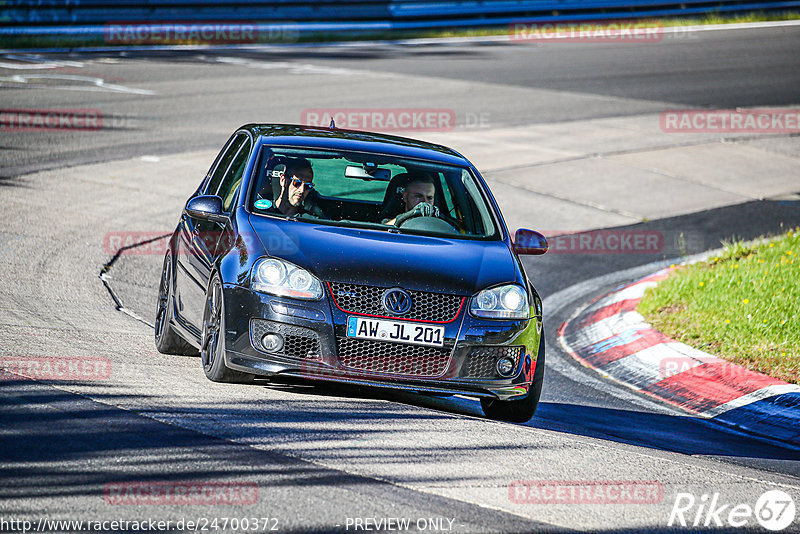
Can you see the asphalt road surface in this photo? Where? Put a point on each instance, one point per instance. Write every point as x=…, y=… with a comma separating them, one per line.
x=567, y=135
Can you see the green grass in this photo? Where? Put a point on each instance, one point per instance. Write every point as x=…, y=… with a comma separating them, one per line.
x=322, y=37
x=711, y=18
x=491, y=31
x=743, y=306
x=716, y=18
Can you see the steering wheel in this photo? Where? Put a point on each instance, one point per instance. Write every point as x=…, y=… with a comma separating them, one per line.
x=433, y=224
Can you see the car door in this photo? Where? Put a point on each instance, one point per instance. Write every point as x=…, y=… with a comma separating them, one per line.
x=216, y=238
x=196, y=243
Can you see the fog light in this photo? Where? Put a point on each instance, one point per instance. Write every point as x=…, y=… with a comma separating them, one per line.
x=505, y=366
x=272, y=342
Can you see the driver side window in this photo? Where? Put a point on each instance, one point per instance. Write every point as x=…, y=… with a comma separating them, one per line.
x=223, y=163
x=232, y=178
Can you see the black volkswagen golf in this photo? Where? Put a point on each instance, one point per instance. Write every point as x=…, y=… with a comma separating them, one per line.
x=327, y=254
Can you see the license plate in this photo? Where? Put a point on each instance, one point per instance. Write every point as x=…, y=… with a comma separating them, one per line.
x=395, y=331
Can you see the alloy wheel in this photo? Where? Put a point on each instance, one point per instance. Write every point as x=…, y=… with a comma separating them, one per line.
x=211, y=322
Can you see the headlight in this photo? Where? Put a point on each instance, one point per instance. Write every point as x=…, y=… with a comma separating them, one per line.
x=504, y=302
x=282, y=278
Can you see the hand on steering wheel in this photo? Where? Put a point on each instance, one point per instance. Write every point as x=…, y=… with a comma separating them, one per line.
x=423, y=209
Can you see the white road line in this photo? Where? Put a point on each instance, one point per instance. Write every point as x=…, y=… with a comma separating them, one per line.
x=35, y=62
x=86, y=83
x=297, y=68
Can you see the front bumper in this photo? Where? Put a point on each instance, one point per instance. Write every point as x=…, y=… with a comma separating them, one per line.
x=317, y=331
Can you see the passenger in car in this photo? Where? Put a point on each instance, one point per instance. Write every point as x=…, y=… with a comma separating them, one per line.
x=418, y=199
x=297, y=195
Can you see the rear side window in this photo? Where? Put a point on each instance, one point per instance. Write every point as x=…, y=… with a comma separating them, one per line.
x=223, y=164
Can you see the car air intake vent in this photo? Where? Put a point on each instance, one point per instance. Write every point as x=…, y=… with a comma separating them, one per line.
x=298, y=343
x=482, y=360
x=392, y=358
x=368, y=300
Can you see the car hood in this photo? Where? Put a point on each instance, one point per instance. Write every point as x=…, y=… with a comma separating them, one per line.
x=371, y=257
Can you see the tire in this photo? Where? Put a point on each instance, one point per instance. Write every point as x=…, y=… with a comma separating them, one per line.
x=167, y=340
x=212, y=341
x=522, y=410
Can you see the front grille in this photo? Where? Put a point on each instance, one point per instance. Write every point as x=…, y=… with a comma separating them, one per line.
x=482, y=361
x=366, y=300
x=392, y=358
x=298, y=343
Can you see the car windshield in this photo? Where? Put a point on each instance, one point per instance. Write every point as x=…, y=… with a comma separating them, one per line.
x=371, y=190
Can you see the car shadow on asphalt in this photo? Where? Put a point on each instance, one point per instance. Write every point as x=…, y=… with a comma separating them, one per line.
x=684, y=434
x=67, y=454
x=80, y=443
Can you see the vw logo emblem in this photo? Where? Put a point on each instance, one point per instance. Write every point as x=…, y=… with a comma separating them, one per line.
x=396, y=301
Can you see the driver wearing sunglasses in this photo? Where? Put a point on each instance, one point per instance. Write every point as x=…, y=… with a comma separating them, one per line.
x=297, y=183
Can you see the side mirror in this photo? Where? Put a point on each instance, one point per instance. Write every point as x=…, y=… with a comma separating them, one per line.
x=207, y=207
x=529, y=242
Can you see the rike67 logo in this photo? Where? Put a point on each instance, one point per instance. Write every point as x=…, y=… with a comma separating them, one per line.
x=774, y=510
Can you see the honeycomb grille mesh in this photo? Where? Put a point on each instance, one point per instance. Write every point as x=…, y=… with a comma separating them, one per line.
x=482, y=361
x=392, y=358
x=366, y=300
x=299, y=343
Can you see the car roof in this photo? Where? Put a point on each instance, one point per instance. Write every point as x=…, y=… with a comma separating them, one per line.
x=353, y=140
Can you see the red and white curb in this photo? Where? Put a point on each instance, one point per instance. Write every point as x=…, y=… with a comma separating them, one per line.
x=611, y=337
